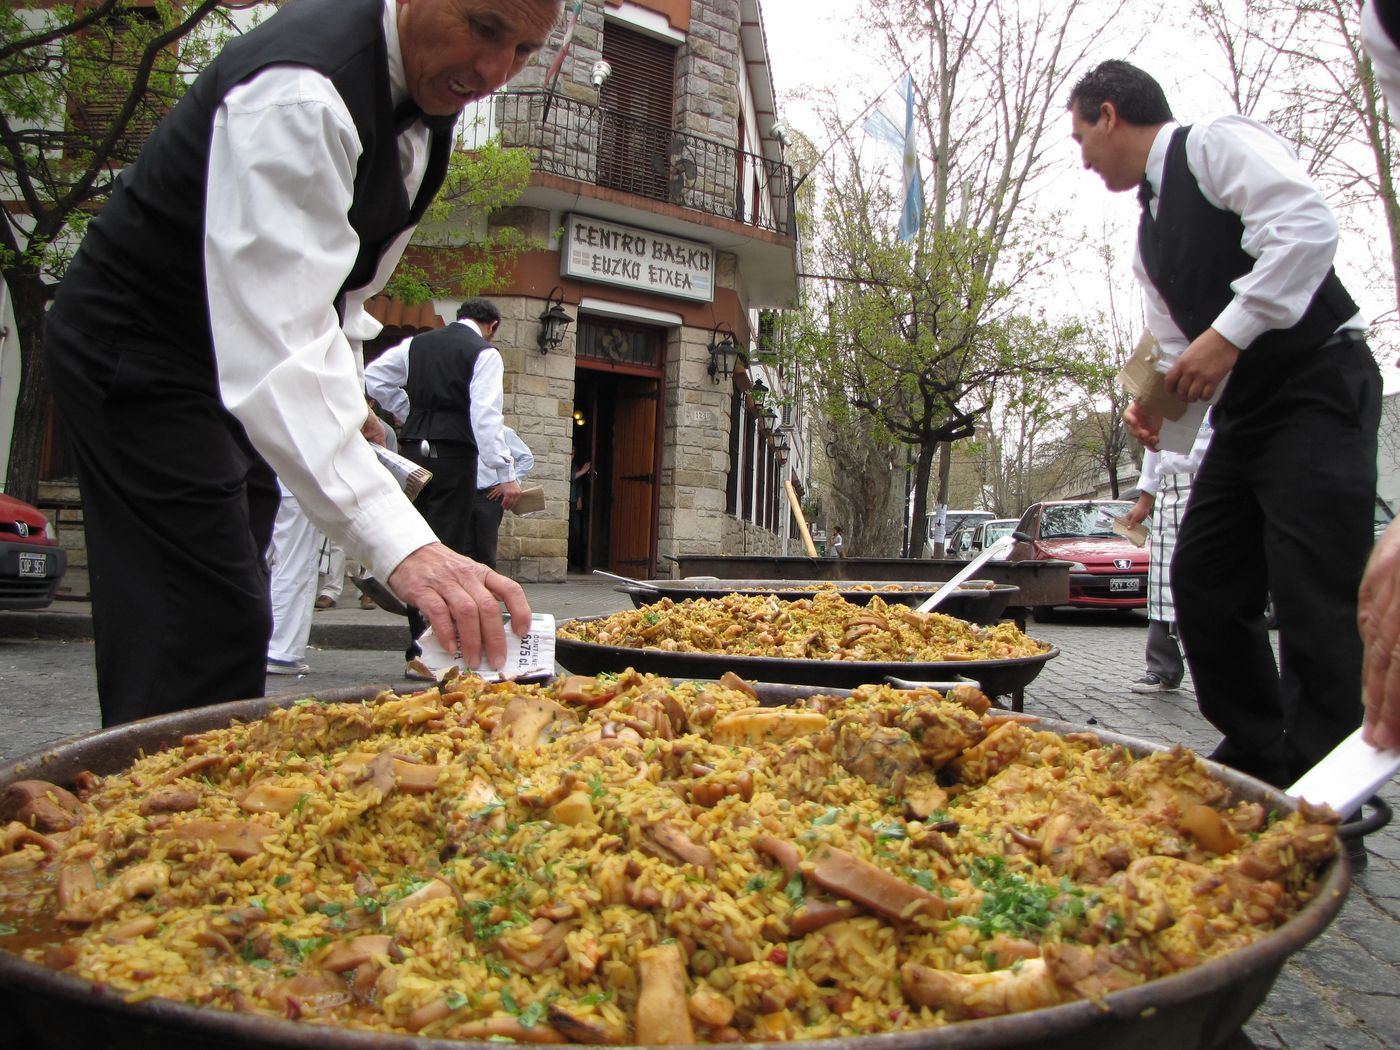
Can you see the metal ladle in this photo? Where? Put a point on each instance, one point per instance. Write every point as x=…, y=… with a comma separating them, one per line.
x=932, y=601
x=627, y=579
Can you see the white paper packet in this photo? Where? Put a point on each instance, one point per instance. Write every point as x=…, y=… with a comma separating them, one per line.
x=1348, y=776
x=529, y=657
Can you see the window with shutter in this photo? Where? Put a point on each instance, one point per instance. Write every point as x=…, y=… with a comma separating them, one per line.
x=638, y=102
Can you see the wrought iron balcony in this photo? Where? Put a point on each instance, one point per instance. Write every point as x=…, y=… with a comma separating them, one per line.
x=607, y=147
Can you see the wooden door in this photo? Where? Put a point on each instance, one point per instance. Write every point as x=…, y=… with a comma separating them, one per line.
x=633, y=478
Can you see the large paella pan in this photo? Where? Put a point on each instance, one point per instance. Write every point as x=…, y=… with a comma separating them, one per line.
x=1195, y=1007
x=823, y=640
x=979, y=601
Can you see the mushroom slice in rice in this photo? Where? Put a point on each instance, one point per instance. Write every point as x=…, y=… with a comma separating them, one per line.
x=240, y=839
x=761, y=725
x=663, y=1013
x=143, y=880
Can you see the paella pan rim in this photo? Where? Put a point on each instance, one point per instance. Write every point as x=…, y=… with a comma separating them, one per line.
x=996, y=677
x=1226, y=980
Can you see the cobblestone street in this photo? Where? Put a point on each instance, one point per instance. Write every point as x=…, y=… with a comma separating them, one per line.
x=1340, y=993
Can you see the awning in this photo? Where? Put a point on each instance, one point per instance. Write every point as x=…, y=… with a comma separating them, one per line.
x=401, y=319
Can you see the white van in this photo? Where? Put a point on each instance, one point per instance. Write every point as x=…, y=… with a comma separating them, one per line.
x=954, y=520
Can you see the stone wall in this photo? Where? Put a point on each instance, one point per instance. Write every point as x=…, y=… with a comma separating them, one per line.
x=539, y=404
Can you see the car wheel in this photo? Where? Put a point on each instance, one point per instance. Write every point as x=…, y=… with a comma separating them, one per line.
x=1043, y=613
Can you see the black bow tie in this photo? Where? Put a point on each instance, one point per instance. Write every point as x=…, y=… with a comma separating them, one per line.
x=407, y=111
x=1144, y=193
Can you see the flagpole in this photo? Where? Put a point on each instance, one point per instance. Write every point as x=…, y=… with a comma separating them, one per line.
x=551, y=76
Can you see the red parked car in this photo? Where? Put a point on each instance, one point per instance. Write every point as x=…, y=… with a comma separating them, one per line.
x=31, y=561
x=1106, y=571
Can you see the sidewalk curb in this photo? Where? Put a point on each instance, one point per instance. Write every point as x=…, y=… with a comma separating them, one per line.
x=57, y=625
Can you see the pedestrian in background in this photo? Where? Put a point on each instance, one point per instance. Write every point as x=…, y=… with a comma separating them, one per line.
x=1164, y=486
x=494, y=498
x=292, y=558
x=446, y=389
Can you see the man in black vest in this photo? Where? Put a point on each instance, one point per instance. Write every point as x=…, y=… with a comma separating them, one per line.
x=210, y=328
x=1234, y=254
x=446, y=388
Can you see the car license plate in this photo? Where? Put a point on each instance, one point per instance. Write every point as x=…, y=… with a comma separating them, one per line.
x=33, y=564
x=1125, y=583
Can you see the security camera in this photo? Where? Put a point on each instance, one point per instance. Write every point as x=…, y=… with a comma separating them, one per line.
x=601, y=72
x=780, y=132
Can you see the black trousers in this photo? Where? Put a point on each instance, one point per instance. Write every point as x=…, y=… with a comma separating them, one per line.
x=178, y=510
x=446, y=505
x=1282, y=505
x=486, y=528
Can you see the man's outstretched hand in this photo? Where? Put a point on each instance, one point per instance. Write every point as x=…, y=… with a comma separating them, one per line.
x=460, y=599
x=1378, y=615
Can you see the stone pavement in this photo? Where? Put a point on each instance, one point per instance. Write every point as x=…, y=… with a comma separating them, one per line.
x=1341, y=993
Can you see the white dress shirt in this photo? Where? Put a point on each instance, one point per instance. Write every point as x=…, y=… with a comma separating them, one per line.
x=1244, y=167
x=1157, y=465
x=278, y=245
x=520, y=453
x=384, y=381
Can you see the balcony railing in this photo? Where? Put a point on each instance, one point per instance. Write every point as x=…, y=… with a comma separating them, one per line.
x=607, y=147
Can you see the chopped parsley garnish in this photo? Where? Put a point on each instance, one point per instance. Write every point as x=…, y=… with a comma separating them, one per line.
x=1011, y=903
x=796, y=891
x=890, y=830
x=456, y=1000
x=920, y=877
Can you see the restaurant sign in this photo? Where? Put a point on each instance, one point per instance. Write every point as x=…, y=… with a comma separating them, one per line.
x=595, y=250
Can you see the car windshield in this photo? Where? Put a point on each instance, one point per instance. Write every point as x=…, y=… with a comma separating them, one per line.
x=1079, y=520
x=994, y=531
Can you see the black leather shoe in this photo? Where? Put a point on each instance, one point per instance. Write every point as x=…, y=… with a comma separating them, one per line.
x=1356, y=853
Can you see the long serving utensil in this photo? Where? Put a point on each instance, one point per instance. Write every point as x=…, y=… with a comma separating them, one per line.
x=627, y=579
x=933, y=600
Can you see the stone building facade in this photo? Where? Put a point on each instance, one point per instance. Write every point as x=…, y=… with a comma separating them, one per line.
x=662, y=205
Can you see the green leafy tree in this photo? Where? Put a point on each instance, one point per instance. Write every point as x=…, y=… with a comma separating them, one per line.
x=915, y=335
x=80, y=88
x=1299, y=67
x=465, y=243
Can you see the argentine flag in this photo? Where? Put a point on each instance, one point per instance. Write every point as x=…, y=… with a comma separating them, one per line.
x=880, y=126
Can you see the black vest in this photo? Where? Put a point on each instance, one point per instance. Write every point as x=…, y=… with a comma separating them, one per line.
x=139, y=274
x=1192, y=252
x=439, y=385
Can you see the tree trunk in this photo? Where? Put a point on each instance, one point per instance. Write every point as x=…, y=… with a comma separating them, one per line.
x=27, y=443
x=918, y=530
x=945, y=465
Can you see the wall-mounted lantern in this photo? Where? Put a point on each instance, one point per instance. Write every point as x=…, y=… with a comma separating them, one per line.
x=724, y=352
x=554, y=322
